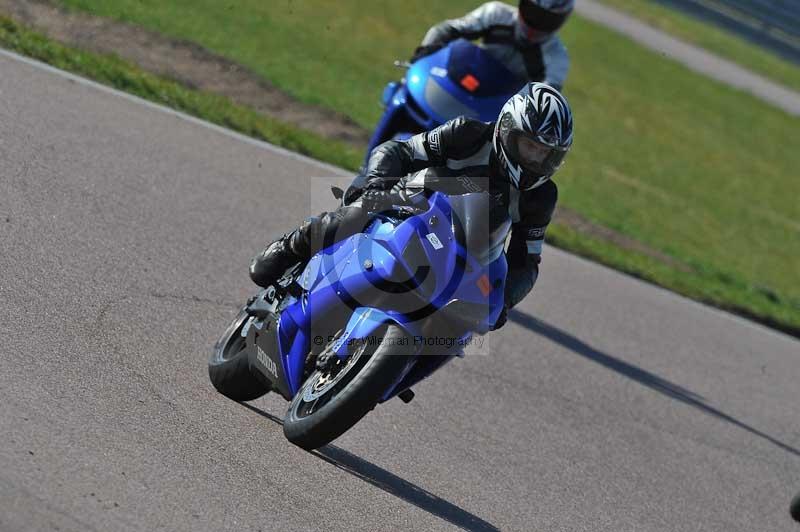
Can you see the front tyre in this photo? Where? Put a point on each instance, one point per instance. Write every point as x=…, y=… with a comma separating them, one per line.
x=333, y=400
x=229, y=368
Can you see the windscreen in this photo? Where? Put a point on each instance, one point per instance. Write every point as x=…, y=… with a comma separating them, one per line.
x=480, y=74
x=473, y=226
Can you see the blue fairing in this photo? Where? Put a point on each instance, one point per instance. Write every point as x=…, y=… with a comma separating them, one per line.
x=432, y=92
x=352, y=287
x=434, y=83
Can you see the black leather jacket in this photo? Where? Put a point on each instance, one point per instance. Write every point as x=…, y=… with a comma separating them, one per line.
x=457, y=157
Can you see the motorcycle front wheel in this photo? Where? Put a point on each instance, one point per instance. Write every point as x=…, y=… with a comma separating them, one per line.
x=331, y=401
x=229, y=368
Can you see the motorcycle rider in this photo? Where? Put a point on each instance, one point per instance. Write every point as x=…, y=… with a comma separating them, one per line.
x=522, y=39
x=512, y=159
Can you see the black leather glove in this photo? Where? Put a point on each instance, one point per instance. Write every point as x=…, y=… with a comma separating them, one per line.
x=375, y=200
x=351, y=194
x=501, y=319
x=380, y=183
x=424, y=51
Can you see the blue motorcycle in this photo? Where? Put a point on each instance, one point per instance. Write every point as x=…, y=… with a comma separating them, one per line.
x=368, y=317
x=461, y=79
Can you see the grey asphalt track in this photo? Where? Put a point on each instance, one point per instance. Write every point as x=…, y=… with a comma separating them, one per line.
x=606, y=404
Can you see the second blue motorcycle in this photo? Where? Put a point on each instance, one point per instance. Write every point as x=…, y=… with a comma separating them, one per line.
x=461, y=79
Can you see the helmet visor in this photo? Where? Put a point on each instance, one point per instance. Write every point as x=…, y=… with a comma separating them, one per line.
x=535, y=155
x=541, y=19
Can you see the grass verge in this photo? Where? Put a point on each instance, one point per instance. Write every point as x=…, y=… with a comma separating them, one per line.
x=717, y=289
x=122, y=75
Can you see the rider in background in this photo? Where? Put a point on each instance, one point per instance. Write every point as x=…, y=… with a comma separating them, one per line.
x=522, y=39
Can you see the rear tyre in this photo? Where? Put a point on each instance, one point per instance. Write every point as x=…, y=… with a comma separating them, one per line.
x=332, y=401
x=229, y=368
x=794, y=509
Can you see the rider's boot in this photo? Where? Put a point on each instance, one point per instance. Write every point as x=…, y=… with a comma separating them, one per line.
x=270, y=265
x=314, y=234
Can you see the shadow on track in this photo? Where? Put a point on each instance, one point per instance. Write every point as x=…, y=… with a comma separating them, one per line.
x=392, y=484
x=643, y=377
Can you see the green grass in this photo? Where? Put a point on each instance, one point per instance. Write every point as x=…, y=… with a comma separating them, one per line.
x=699, y=171
x=716, y=289
x=712, y=38
x=692, y=168
x=117, y=73
x=337, y=54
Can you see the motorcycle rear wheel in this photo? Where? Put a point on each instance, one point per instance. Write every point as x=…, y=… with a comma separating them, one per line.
x=229, y=367
x=327, y=405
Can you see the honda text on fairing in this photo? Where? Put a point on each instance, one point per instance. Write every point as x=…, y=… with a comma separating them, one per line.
x=369, y=316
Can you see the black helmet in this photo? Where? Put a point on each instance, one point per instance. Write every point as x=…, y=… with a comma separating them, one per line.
x=533, y=135
x=545, y=16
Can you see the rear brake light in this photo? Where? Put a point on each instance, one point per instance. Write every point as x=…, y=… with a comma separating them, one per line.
x=470, y=82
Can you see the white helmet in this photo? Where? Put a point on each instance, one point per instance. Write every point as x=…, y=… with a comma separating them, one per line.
x=533, y=135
